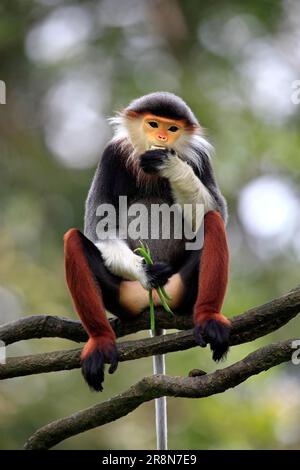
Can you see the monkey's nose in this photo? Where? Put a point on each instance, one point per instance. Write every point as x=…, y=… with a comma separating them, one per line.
x=162, y=137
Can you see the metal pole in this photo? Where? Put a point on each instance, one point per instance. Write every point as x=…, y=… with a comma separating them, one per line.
x=159, y=367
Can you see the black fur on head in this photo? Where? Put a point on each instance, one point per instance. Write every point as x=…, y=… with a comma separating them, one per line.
x=163, y=104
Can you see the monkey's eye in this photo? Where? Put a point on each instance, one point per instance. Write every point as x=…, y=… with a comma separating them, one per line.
x=173, y=129
x=153, y=124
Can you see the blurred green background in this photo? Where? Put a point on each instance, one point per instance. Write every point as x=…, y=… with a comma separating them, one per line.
x=67, y=67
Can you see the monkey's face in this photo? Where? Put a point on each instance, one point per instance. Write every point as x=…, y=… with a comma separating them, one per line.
x=160, y=131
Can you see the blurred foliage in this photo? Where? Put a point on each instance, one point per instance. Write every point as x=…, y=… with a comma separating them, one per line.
x=234, y=63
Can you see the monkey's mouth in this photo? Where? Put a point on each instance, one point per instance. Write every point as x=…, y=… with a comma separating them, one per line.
x=154, y=147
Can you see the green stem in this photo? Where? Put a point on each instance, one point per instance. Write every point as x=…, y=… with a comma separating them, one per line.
x=152, y=317
x=163, y=301
x=165, y=294
x=144, y=251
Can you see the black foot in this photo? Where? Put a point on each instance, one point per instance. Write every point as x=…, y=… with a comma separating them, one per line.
x=93, y=367
x=217, y=335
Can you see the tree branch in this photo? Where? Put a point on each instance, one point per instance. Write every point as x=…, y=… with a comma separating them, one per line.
x=48, y=326
x=267, y=317
x=246, y=327
x=252, y=324
x=157, y=386
x=42, y=326
x=67, y=360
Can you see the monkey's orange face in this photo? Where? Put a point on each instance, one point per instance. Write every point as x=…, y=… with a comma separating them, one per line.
x=161, y=131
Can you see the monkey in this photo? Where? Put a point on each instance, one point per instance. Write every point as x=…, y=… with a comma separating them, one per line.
x=158, y=155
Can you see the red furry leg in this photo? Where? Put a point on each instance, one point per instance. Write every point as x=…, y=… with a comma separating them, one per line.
x=80, y=254
x=213, y=278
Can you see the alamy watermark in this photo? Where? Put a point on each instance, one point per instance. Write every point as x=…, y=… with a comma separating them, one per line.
x=2, y=352
x=2, y=92
x=296, y=354
x=295, y=96
x=155, y=221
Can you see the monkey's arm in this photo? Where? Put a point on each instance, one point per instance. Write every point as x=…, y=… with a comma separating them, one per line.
x=186, y=186
x=213, y=277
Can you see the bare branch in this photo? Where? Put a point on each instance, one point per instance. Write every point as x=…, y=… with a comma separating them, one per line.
x=42, y=326
x=254, y=322
x=48, y=326
x=246, y=327
x=262, y=320
x=157, y=386
x=67, y=360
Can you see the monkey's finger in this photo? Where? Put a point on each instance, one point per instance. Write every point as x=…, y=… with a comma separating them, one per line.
x=217, y=335
x=157, y=153
x=93, y=370
x=153, y=166
x=199, y=337
x=158, y=274
x=113, y=359
x=144, y=159
x=151, y=163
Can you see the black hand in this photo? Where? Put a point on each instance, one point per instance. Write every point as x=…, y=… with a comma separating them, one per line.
x=157, y=274
x=153, y=160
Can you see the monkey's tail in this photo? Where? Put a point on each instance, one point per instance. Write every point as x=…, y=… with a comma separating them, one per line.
x=159, y=367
